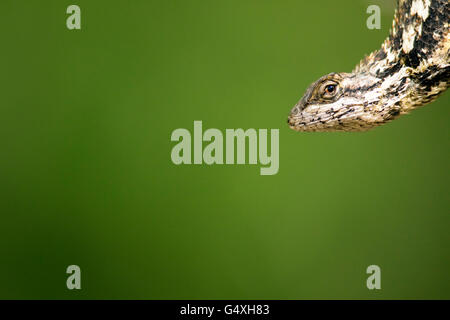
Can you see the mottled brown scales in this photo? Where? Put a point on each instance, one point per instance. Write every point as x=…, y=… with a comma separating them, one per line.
x=411, y=69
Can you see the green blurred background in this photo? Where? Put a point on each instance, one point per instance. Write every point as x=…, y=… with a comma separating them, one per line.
x=86, y=176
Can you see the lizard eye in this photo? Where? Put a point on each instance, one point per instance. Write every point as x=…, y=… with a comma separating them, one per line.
x=329, y=90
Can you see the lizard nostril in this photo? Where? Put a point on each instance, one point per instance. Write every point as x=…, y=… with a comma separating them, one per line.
x=295, y=111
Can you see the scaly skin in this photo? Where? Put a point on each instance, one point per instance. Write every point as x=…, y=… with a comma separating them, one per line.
x=411, y=69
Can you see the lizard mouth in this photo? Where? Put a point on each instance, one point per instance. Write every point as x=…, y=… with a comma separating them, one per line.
x=299, y=123
x=300, y=119
x=295, y=116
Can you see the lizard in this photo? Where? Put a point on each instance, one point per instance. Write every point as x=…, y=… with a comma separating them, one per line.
x=411, y=69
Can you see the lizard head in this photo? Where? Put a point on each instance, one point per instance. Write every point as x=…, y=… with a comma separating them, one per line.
x=339, y=102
